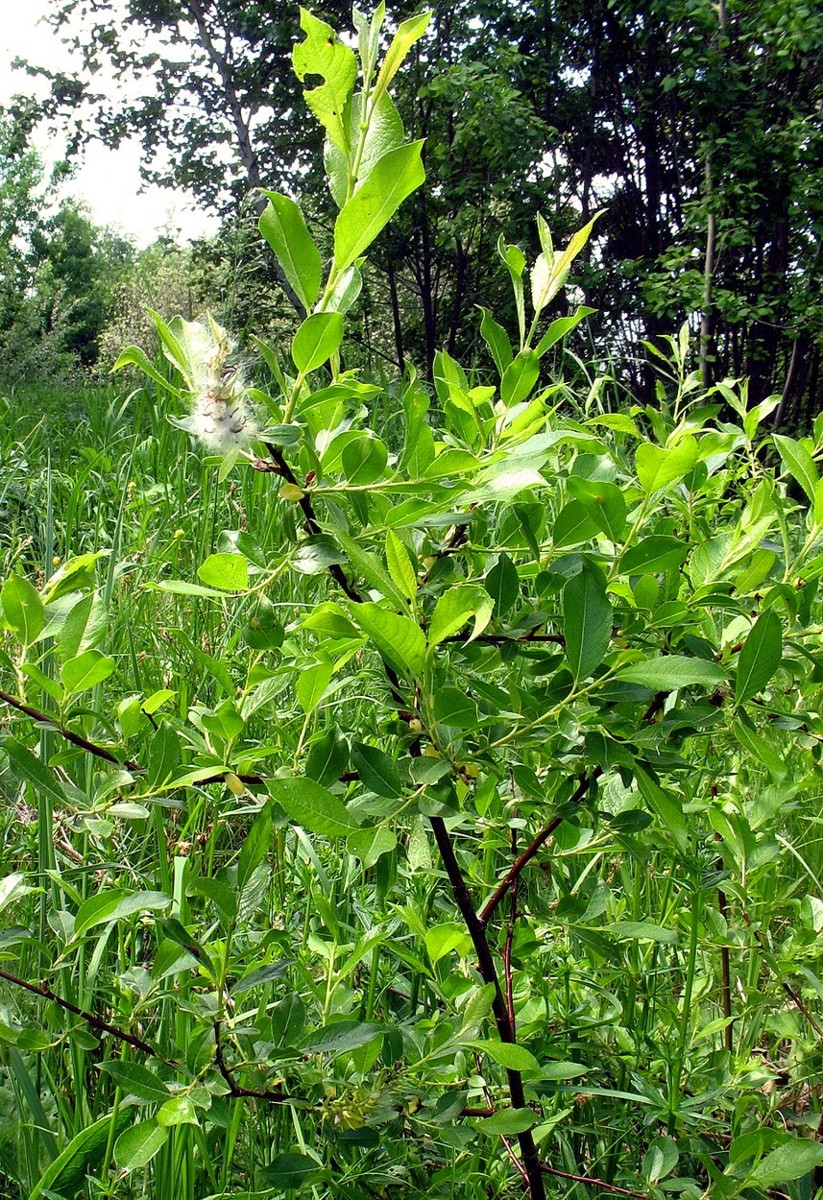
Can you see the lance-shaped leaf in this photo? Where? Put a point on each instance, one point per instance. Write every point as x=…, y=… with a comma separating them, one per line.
x=284, y=228
x=22, y=609
x=312, y=806
x=798, y=463
x=408, y=32
x=760, y=656
x=394, y=177
x=399, y=640
x=113, y=905
x=587, y=621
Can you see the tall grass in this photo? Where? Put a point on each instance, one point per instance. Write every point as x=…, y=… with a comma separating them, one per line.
x=102, y=470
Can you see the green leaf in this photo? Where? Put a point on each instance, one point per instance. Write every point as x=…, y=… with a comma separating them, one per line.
x=316, y=340
x=284, y=228
x=30, y=768
x=23, y=609
x=394, y=177
x=574, y=524
x=667, y=672
x=370, y=568
x=67, y=1174
x=503, y=585
x=178, y=1110
x=454, y=708
x=399, y=640
x=228, y=572
x=657, y=467
x=576, y=243
x=509, y=1055
x=86, y=625
x=562, y=1070
x=654, y=554
x=311, y=685
x=269, y=1194
x=793, y=1160
x=138, y=1145
x=560, y=327
x=587, y=621
x=798, y=462
x=515, y=261
x=400, y=566
x=322, y=53
x=457, y=606
x=312, y=806
x=75, y=575
x=604, y=502
x=385, y=133
x=760, y=656
x=164, y=755
x=642, y=931
x=666, y=808
x=378, y=771
x=115, y=904
x=496, y=339
x=86, y=671
x=660, y=1159
x=508, y=1123
x=259, y=977
x=370, y=844
x=133, y=356
x=256, y=846
x=13, y=887
x=288, y=1171
x=364, y=459
x=136, y=1080
x=316, y=554
x=340, y=1037
x=408, y=32
x=327, y=757
x=443, y=939
x=519, y=378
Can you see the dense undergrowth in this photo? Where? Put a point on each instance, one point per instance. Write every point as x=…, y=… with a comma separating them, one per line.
x=422, y=796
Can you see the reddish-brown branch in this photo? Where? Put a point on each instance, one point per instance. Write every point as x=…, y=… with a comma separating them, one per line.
x=592, y=1182
x=43, y=990
x=76, y=739
x=488, y=972
x=235, y=1089
x=99, y=751
x=513, y=874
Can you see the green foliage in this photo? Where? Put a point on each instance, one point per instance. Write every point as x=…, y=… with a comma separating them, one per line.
x=472, y=792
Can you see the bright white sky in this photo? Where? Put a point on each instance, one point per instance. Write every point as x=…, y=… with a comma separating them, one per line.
x=108, y=181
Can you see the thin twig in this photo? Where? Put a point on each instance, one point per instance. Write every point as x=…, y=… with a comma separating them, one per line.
x=99, y=751
x=235, y=1089
x=515, y=871
x=598, y=1183
x=43, y=989
x=507, y=949
x=76, y=739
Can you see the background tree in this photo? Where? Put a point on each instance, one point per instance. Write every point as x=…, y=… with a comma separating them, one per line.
x=696, y=125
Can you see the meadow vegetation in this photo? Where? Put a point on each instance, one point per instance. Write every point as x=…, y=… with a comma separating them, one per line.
x=409, y=787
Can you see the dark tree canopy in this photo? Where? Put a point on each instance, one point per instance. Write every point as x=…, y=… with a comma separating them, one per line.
x=696, y=126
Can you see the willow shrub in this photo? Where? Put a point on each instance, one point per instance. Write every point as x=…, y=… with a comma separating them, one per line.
x=456, y=872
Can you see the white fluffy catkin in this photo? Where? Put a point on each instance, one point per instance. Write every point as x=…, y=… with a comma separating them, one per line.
x=222, y=417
